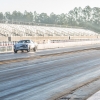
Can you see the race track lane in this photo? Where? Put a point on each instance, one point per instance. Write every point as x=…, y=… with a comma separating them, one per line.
x=48, y=78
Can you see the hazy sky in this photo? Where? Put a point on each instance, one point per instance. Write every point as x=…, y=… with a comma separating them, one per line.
x=47, y=6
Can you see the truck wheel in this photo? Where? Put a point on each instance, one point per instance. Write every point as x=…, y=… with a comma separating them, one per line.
x=28, y=49
x=15, y=51
x=34, y=49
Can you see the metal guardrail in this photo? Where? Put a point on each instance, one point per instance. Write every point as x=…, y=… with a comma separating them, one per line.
x=5, y=43
x=6, y=49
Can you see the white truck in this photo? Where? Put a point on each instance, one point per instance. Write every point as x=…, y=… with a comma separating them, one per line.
x=25, y=45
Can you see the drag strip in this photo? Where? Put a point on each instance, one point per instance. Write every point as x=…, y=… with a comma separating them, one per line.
x=53, y=52
x=48, y=78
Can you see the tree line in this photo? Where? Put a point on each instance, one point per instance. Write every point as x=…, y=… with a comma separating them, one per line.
x=87, y=17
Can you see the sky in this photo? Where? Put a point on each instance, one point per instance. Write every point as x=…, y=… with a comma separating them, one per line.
x=45, y=6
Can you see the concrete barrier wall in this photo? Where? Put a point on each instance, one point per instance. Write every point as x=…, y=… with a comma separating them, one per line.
x=66, y=44
x=4, y=49
x=3, y=38
x=40, y=39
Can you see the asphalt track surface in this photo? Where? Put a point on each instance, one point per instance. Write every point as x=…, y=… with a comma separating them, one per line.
x=7, y=56
x=47, y=78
